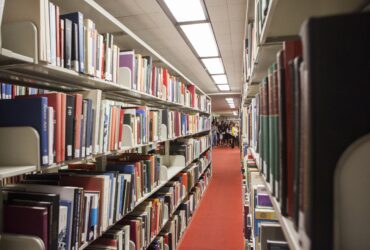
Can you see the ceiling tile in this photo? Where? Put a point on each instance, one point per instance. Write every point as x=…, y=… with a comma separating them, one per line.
x=237, y=12
x=121, y=8
x=149, y=6
x=217, y=13
x=215, y=2
x=138, y=22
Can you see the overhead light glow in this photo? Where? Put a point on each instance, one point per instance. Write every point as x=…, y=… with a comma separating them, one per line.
x=185, y=11
x=235, y=113
x=214, y=65
x=232, y=106
x=224, y=87
x=229, y=99
x=201, y=37
x=220, y=79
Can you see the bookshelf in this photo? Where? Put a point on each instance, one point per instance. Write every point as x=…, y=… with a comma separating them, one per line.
x=21, y=64
x=277, y=38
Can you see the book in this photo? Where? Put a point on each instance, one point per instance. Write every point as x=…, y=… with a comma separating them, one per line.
x=70, y=126
x=51, y=132
x=27, y=221
x=126, y=68
x=28, y=112
x=74, y=56
x=77, y=19
x=327, y=150
x=53, y=30
x=76, y=149
x=67, y=43
x=52, y=210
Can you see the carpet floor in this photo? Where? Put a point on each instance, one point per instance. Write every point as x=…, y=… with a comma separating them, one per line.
x=217, y=224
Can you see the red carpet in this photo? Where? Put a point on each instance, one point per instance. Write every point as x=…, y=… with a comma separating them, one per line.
x=217, y=224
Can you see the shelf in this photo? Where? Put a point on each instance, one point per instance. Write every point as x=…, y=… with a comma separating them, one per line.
x=291, y=235
x=265, y=56
x=196, y=158
x=56, y=78
x=105, y=22
x=285, y=17
x=55, y=166
x=13, y=171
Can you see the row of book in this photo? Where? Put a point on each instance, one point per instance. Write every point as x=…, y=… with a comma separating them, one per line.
x=76, y=205
x=261, y=229
x=69, y=40
x=172, y=232
x=141, y=74
x=72, y=41
x=190, y=148
x=293, y=129
x=77, y=125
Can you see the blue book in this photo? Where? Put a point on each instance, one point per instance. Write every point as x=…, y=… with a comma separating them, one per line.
x=78, y=18
x=31, y=112
x=126, y=168
x=64, y=240
x=142, y=114
x=8, y=91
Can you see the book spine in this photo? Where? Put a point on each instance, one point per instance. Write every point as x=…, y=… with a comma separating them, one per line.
x=81, y=43
x=44, y=136
x=74, y=58
x=70, y=111
x=67, y=44
x=58, y=41
x=51, y=132
x=62, y=43
x=52, y=19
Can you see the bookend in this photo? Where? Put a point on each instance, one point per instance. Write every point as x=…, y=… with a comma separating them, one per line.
x=19, y=154
x=128, y=138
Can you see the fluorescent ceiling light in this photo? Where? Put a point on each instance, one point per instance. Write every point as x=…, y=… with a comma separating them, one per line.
x=184, y=11
x=235, y=113
x=201, y=38
x=220, y=79
x=229, y=99
x=232, y=106
x=224, y=87
x=214, y=65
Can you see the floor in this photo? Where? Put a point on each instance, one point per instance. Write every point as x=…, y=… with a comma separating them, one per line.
x=217, y=224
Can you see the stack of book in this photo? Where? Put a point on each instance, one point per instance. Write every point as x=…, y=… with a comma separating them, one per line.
x=78, y=204
x=190, y=148
x=69, y=40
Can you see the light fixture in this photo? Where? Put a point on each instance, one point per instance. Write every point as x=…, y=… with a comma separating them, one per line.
x=223, y=87
x=229, y=99
x=214, y=65
x=235, y=113
x=232, y=106
x=186, y=11
x=220, y=79
x=201, y=37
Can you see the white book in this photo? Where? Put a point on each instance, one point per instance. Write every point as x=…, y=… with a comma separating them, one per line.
x=62, y=230
x=96, y=97
x=51, y=124
x=108, y=59
x=53, y=42
x=99, y=55
x=89, y=28
x=84, y=234
x=47, y=30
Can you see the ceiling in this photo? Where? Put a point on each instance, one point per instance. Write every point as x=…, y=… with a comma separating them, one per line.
x=147, y=20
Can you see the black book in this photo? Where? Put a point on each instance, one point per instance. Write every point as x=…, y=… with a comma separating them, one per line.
x=296, y=135
x=67, y=44
x=74, y=56
x=70, y=113
x=282, y=152
x=335, y=121
x=50, y=201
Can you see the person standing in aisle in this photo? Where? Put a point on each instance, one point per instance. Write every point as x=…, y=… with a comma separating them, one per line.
x=214, y=134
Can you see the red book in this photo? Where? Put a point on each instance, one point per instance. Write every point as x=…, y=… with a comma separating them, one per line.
x=77, y=127
x=191, y=89
x=27, y=221
x=292, y=49
x=165, y=83
x=57, y=22
x=120, y=135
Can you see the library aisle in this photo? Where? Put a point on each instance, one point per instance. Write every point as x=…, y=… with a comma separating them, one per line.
x=218, y=222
